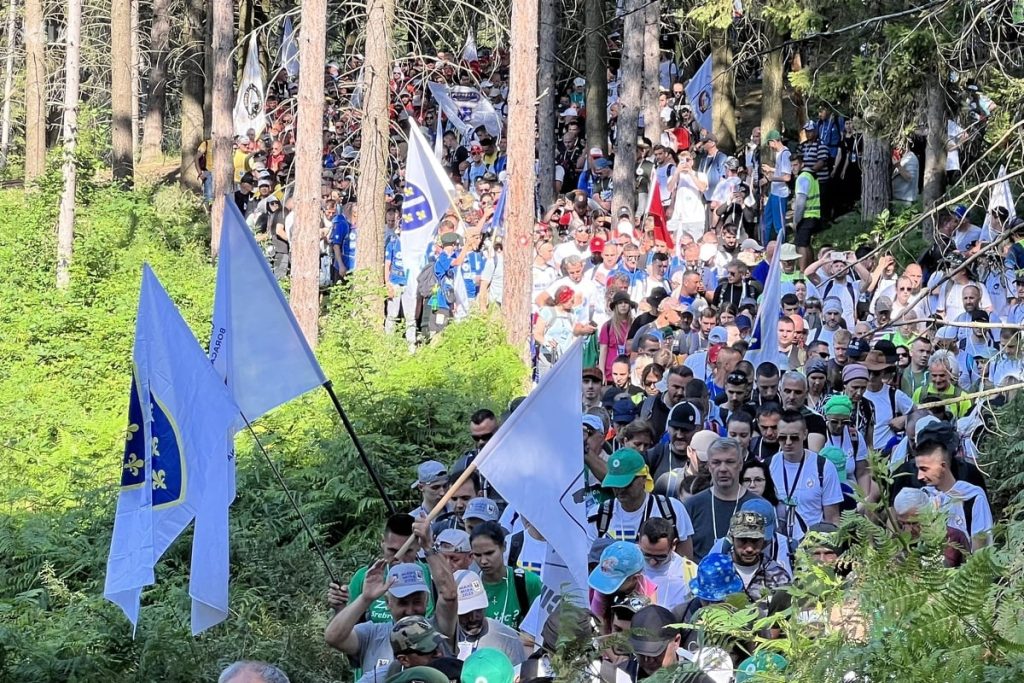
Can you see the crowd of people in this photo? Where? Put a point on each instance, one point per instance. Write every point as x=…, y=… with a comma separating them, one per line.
x=716, y=462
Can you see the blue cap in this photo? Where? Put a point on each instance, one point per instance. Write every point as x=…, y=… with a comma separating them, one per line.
x=743, y=322
x=481, y=508
x=619, y=561
x=602, y=163
x=623, y=410
x=716, y=578
x=960, y=210
x=766, y=510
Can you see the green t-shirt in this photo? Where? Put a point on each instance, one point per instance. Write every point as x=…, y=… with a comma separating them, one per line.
x=503, y=603
x=378, y=612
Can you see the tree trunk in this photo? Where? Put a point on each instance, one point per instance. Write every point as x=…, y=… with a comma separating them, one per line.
x=631, y=76
x=520, y=212
x=596, y=48
x=35, y=91
x=223, y=126
x=192, y=88
x=876, y=175
x=208, y=70
x=5, y=117
x=935, y=150
x=547, y=48
x=652, y=71
x=66, y=217
x=373, y=157
x=136, y=79
x=244, y=28
x=156, y=86
x=772, y=84
x=121, y=90
x=723, y=98
x=305, y=243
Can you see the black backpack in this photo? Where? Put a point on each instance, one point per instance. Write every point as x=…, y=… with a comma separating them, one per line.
x=604, y=513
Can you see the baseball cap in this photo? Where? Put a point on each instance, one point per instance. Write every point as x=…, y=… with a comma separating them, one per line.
x=701, y=442
x=601, y=163
x=408, y=579
x=596, y=152
x=624, y=465
x=743, y=322
x=472, y=595
x=650, y=631
x=630, y=604
x=415, y=634
x=684, y=415
x=809, y=126
x=456, y=538
x=420, y=674
x=578, y=81
x=732, y=162
x=883, y=303
x=624, y=410
x=619, y=561
x=594, y=422
x=710, y=137
x=593, y=373
x=481, y=508
x=751, y=245
x=429, y=472
x=746, y=524
x=767, y=512
x=597, y=245
x=449, y=239
x=773, y=135
x=487, y=665
x=718, y=335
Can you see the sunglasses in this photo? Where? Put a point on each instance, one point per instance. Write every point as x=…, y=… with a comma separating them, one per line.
x=789, y=438
x=483, y=438
x=754, y=480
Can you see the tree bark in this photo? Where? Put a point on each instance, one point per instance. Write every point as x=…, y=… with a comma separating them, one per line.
x=156, y=86
x=876, y=175
x=305, y=242
x=136, y=79
x=546, y=57
x=631, y=76
x=772, y=84
x=520, y=214
x=208, y=69
x=193, y=85
x=35, y=91
x=5, y=117
x=223, y=126
x=596, y=50
x=66, y=216
x=373, y=157
x=652, y=71
x=723, y=99
x=122, y=147
x=935, y=149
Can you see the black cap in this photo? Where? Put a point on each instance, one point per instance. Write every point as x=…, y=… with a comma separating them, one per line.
x=649, y=632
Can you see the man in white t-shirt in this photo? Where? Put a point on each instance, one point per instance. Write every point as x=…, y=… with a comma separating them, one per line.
x=622, y=517
x=579, y=245
x=663, y=566
x=588, y=293
x=779, y=176
x=807, y=484
x=966, y=504
x=891, y=406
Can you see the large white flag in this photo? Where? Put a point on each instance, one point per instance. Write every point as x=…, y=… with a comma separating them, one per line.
x=698, y=95
x=456, y=116
x=427, y=195
x=535, y=461
x=256, y=344
x=177, y=456
x=250, y=102
x=485, y=115
x=1000, y=195
x=469, y=54
x=289, y=57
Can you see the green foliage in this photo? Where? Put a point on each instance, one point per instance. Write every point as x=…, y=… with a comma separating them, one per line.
x=64, y=367
x=850, y=231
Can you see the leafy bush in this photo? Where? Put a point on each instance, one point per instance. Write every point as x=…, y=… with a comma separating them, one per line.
x=64, y=364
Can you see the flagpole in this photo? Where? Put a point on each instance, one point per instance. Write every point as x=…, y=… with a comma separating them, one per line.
x=291, y=498
x=440, y=506
x=359, y=448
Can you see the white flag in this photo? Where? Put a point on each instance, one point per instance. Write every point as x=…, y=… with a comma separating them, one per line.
x=999, y=195
x=289, y=57
x=485, y=115
x=535, y=461
x=250, y=101
x=439, y=91
x=698, y=95
x=427, y=195
x=469, y=51
x=256, y=344
x=439, y=140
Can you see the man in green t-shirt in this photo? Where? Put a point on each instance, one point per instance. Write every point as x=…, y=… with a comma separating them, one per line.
x=397, y=531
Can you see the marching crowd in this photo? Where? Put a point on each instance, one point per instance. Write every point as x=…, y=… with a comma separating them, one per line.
x=729, y=419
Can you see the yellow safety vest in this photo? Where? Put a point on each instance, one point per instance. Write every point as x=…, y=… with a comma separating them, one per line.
x=812, y=209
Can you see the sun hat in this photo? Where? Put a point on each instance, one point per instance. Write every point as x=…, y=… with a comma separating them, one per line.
x=788, y=252
x=619, y=561
x=716, y=578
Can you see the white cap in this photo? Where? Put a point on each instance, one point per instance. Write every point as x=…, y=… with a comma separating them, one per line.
x=471, y=591
x=571, y=111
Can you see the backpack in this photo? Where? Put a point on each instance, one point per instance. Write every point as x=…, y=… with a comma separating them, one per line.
x=519, y=581
x=604, y=513
x=515, y=547
x=426, y=282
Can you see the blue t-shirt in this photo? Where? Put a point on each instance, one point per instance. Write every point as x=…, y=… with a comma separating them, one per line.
x=393, y=253
x=343, y=234
x=472, y=268
x=443, y=270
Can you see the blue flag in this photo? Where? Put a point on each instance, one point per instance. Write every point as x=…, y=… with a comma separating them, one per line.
x=700, y=96
x=177, y=456
x=256, y=343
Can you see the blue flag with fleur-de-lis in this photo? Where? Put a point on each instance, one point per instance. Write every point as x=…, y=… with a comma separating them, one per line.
x=177, y=454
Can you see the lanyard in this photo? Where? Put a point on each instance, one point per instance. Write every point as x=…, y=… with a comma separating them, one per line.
x=790, y=490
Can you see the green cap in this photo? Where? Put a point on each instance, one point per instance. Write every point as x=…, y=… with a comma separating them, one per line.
x=747, y=524
x=487, y=665
x=837, y=457
x=415, y=634
x=840, y=404
x=773, y=135
x=419, y=674
x=623, y=467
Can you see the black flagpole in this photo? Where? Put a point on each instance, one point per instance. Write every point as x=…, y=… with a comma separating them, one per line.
x=359, y=448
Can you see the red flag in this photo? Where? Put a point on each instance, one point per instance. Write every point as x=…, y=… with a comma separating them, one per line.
x=656, y=211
